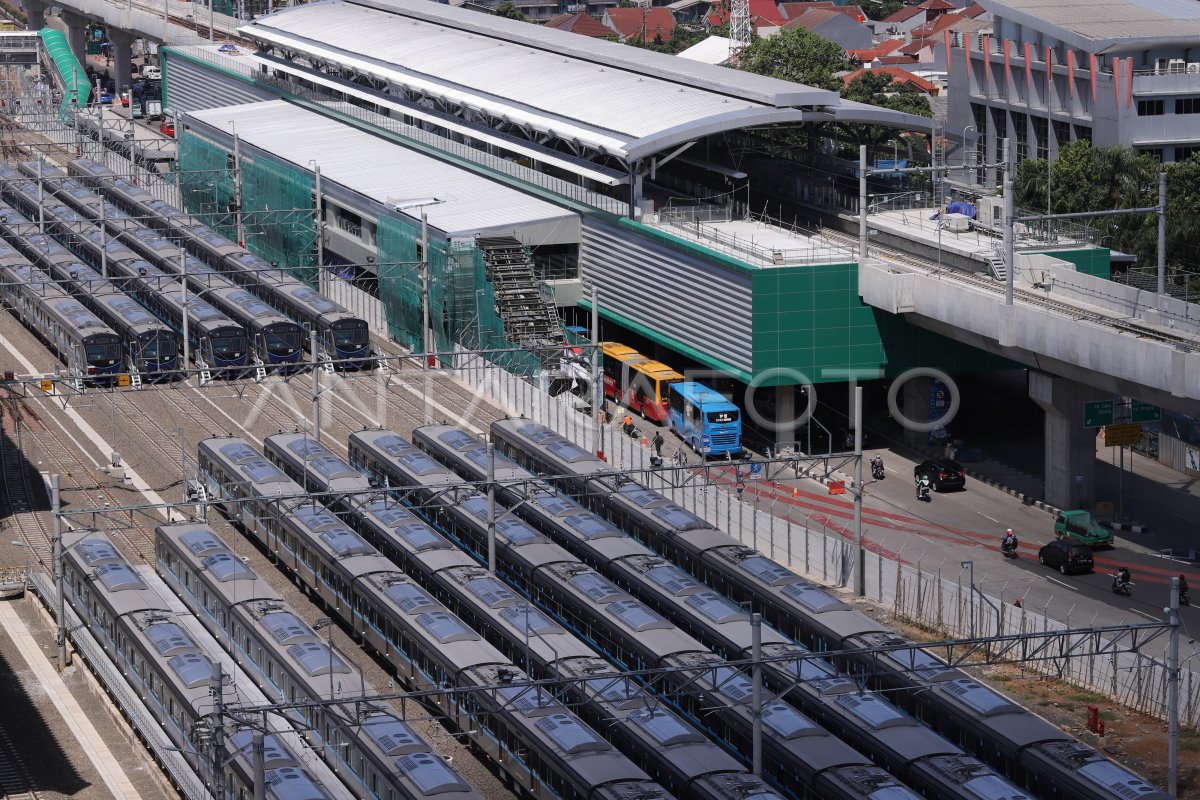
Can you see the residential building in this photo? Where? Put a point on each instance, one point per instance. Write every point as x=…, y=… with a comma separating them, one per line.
x=835, y=26
x=1048, y=75
x=638, y=22
x=580, y=23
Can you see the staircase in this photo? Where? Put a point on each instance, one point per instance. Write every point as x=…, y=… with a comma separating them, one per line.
x=996, y=265
x=529, y=320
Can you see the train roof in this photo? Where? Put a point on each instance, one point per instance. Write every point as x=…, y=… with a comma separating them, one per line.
x=263, y=314
x=134, y=315
x=403, y=453
x=212, y=560
x=309, y=456
x=252, y=466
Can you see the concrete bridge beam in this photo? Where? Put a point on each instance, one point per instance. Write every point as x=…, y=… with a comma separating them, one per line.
x=1070, y=467
x=122, y=56
x=35, y=12
x=76, y=34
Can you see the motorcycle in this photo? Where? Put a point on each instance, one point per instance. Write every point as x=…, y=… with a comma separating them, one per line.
x=1185, y=597
x=1122, y=586
x=1009, y=550
x=877, y=471
x=923, y=492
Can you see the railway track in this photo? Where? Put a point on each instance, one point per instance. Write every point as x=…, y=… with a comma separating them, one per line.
x=981, y=281
x=15, y=781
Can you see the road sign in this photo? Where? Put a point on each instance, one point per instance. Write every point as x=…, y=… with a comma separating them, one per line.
x=46, y=386
x=1143, y=412
x=1122, y=435
x=755, y=472
x=1098, y=414
x=122, y=380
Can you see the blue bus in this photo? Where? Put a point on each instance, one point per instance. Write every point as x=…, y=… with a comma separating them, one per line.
x=705, y=420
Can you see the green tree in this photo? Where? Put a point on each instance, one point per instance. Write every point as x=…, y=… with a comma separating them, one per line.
x=879, y=89
x=508, y=10
x=881, y=10
x=796, y=54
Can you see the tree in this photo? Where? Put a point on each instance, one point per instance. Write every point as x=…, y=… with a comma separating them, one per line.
x=882, y=10
x=879, y=89
x=796, y=54
x=508, y=10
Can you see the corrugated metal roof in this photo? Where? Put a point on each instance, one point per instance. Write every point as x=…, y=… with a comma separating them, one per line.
x=630, y=102
x=1106, y=25
x=389, y=173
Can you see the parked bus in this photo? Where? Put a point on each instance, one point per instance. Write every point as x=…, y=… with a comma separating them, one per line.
x=705, y=420
x=637, y=382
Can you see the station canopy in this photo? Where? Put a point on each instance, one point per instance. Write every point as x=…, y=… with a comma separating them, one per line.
x=622, y=101
x=460, y=203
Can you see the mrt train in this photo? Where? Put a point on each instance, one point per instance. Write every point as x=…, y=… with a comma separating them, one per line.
x=170, y=661
x=636, y=637
x=287, y=658
x=273, y=338
x=341, y=334
x=82, y=341
x=661, y=742
x=150, y=347
x=215, y=339
x=535, y=742
x=1035, y=754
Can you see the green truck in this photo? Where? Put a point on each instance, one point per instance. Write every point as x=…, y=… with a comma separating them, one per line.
x=1081, y=527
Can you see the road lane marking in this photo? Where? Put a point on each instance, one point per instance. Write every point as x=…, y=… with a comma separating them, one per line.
x=1061, y=583
x=1144, y=614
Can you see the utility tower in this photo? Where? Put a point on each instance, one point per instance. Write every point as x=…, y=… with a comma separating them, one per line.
x=739, y=29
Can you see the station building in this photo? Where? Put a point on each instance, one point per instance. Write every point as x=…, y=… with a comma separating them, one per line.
x=688, y=196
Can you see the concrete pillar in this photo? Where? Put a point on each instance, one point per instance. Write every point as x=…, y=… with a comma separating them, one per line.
x=76, y=35
x=914, y=407
x=122, y=56
x=785, y=416
x=35, y=11
x=1070, y=469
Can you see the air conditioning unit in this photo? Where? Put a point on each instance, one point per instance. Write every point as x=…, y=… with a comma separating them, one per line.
x=1177, y=66
x=1193, y=67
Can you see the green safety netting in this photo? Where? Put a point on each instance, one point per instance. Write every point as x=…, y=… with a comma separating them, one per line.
x=278, y=222
x=277, y=205
x=77, y=89
x=462, y=304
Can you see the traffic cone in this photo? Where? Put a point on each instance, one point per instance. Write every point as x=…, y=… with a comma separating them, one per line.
x=643, y=441
x=795, y=492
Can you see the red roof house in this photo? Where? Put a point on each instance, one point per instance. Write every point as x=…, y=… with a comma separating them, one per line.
x=580, y=23
x=629, y=23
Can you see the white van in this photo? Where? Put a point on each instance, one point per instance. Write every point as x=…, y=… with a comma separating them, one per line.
x=151, y=72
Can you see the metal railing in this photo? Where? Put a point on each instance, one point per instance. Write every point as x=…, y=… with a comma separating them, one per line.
x=815, y=252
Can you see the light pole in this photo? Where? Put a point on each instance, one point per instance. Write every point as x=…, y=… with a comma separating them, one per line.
x=964, y=143
x=1172, y=611
x=319, y=207
x=970, y=565
x=60, y=635
x=860, y=557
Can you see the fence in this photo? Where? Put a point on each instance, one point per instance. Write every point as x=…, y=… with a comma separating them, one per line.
x=825, y=553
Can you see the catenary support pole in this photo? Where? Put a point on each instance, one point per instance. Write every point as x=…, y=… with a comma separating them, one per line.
x=1173, y=689
x=260, y=772
x=862, y=203
x=597, y=388
x=491, y=511
x=756, y=700
x=217, y=687
x=183, y=297
x=60, y=634
x=860, y=559
x=103, y=238
x=316, y=389
x=237, y=190
x=322, y=278
x=1010, y=248
x=1162, y=234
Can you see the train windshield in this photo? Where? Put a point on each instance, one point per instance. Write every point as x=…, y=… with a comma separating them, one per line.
x=350, y=338
x=229, y=345
x=102, y=354
x=283, y=342
x=160, y=345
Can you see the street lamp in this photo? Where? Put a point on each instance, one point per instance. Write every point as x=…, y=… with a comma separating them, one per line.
x=970, y=565
x=964, y=143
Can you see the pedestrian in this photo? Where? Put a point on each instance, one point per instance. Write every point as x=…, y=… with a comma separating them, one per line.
x=1017, y=602
x=658, y=443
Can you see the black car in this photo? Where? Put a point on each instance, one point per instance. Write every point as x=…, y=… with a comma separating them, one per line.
x=1066, y=557
x=943, y=474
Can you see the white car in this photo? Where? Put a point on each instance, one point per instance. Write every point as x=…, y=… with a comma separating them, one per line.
x=151, y=72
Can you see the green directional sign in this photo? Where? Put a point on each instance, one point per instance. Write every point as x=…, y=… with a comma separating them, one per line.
x=1098, y=414
x=1143, y=412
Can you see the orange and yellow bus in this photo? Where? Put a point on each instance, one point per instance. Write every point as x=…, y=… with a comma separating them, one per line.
x=637, y=382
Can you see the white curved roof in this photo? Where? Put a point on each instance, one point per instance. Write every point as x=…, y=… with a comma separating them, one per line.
x=623, y=100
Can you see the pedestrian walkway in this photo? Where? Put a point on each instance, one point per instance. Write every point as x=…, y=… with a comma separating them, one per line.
x=91, y=744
